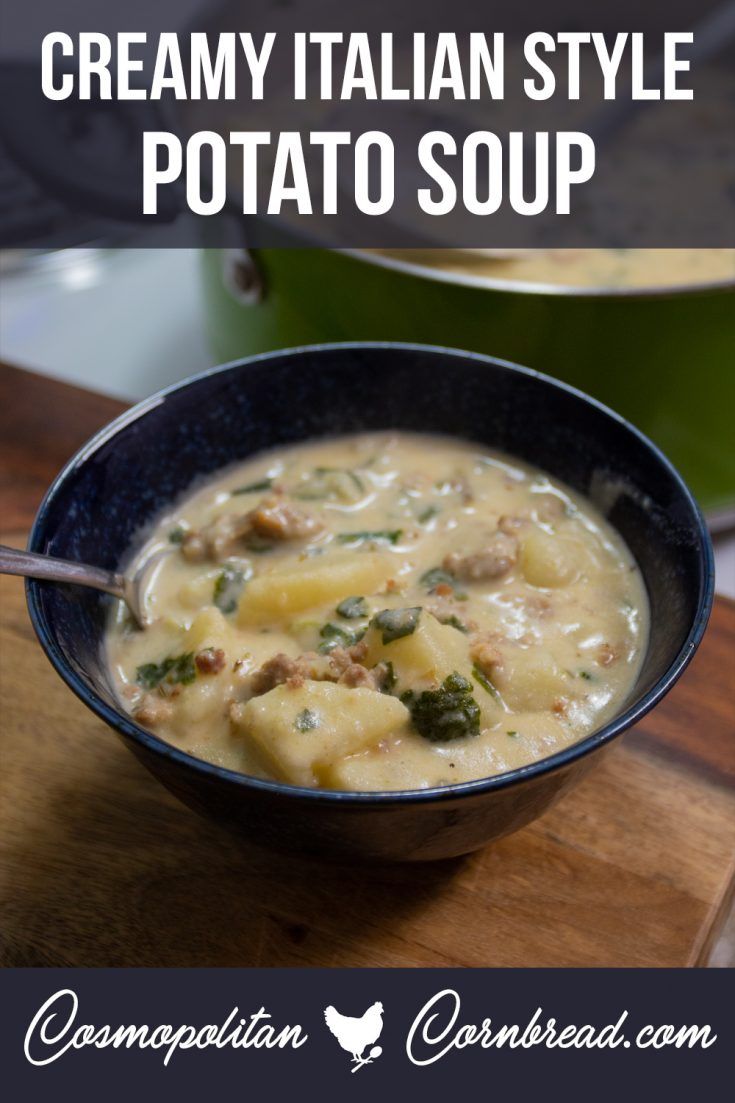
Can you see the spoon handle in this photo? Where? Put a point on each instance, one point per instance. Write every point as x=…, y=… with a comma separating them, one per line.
x=30, y=565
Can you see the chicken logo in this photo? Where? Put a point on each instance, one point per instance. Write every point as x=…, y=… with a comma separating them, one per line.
x=355, y=1035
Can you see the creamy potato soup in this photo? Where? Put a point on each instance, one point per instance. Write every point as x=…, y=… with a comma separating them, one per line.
x=376, y=612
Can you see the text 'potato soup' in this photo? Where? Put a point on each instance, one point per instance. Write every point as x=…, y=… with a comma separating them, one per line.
x=381, y=612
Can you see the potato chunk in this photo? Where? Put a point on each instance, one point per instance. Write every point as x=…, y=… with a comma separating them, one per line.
x=529, y=679
x=408, y=763
x=297, y=733
x=424, y=658
x=412, y=763
x=550, y=561
x=310, y=584
x=210, y=629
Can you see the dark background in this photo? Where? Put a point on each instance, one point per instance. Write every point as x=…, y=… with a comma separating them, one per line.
x=665, y=171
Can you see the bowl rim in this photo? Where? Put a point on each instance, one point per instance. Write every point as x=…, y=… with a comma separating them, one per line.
x=540, y=288
x=124, y=724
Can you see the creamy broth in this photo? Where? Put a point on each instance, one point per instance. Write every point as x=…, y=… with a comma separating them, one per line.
x=585, y=268
x=381, y=612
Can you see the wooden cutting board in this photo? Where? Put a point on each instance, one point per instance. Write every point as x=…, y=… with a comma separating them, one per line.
x=100, y=866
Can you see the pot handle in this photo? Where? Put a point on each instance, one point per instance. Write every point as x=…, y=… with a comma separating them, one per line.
x=38, y=133
x=242, y=277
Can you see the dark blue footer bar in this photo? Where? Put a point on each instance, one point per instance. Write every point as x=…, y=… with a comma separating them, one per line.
x=589, y=1034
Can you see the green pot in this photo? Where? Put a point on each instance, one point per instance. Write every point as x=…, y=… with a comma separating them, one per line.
x=665, y=361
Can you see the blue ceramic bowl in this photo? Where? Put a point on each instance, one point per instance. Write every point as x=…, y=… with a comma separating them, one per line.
x=148, y=457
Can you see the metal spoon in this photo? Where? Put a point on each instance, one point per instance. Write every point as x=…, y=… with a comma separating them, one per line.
x=128, y=590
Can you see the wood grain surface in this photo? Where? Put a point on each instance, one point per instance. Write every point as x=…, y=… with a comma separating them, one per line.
x=100, y=866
